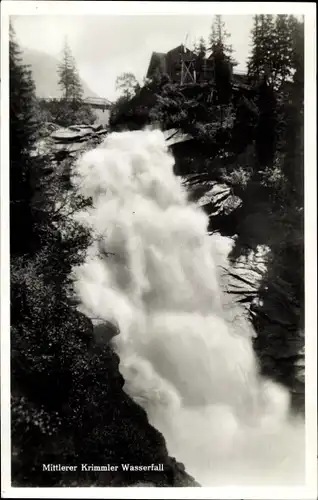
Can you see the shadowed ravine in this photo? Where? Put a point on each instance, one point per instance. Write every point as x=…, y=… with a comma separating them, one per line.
x=153, y=272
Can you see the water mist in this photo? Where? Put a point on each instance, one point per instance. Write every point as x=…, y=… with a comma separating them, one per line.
x=153, y=271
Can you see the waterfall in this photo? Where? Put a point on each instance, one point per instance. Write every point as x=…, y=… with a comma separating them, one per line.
x=153, y=271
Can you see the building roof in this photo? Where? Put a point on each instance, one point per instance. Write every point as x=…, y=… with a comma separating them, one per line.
x=157, y=61
x=160, y=55
x=180, y=48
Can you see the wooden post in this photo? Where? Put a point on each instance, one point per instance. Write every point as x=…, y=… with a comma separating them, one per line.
x=182, y=71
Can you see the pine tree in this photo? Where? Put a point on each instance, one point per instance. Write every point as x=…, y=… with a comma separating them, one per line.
x=69, y=80
x=219, y=36
x=200, y=50
x=272, y=50
x=283, y=50
x=263, y=36
x=200, y=47
x=222, y=59
x=297, y=31
x=71, y=109
x=23, y=130
x=293, y=144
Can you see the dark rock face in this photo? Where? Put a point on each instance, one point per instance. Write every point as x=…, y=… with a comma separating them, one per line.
x=217, y=200
x=125, y=433
x=85, y=418
x=98, y=424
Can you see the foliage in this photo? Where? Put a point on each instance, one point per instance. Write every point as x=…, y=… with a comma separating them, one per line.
x=221, y=55
x=127, y=84
x=218, y=38
x=238, y=178
x=263, y=40
x=272, y=49
x=65, y=113
x=134, y=113
x=23, y=134
x=46, y=333
x=124, y=108
x=200, y=48
x=69, y=80
x=189, y=110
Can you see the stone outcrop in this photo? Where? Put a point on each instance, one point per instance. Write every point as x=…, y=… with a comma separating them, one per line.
x=69, y=140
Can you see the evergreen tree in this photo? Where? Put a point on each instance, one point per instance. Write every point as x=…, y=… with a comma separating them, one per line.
x=283, y=50
x=200, y=50
x=222, y=59
x=293, y=117
x=69, y=80
x=23, y=131
x=297, y=30
x=70, y=109
x=272, y=49
x=219, y=36
x=263, y=37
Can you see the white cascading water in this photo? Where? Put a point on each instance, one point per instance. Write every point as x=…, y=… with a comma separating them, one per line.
x=153, y=271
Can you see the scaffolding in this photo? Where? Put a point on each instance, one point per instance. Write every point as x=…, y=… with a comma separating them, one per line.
x=188, y=72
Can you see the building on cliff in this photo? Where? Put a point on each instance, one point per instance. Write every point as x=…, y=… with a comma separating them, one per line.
x=185, y=67
x=180, y=64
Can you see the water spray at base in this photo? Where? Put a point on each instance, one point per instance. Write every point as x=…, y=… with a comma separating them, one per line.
x=152, y=270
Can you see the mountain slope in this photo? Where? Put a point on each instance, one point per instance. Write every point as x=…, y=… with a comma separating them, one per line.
x=44, y=69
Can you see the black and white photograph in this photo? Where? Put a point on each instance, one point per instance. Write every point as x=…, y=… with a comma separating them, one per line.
x=158, y=253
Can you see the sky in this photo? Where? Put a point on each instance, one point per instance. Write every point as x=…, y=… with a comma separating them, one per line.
x=105, y=46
